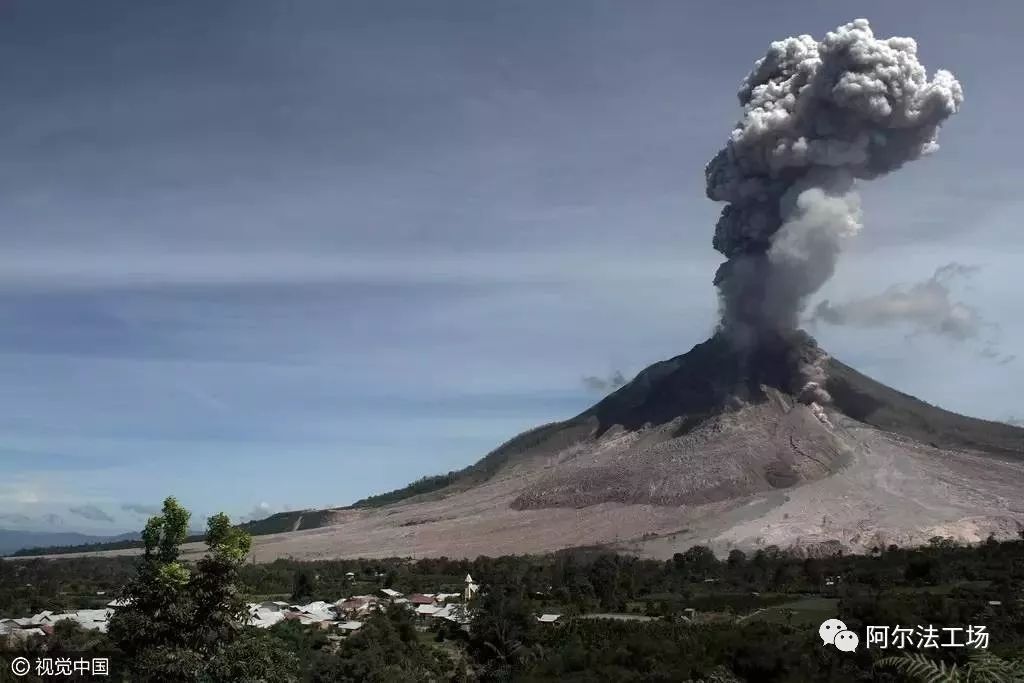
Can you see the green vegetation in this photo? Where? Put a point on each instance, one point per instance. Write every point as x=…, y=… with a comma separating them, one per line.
x=746, y=618
x=418, y=487
x=281, y=522
x=80, y=548
x=981, y=666
x=478, y=472
x=182, y=622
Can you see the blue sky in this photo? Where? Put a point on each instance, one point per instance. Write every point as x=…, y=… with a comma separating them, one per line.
x=264, y=255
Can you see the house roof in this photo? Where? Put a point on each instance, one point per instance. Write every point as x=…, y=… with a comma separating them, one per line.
x=548, y=618
x=350, y=625
x=266, y=618
x=315, y=606
x=427, y=609
x=26, y=633
x=441, y=597
x=420, y=599
x=390, y=592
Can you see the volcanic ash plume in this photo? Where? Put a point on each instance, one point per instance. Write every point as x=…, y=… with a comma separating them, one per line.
x=817, y=116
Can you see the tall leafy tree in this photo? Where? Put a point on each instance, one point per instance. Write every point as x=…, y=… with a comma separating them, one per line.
x=303, y=586
x=187, y=623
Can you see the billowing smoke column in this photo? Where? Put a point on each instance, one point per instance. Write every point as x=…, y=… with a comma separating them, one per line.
x=817, y=116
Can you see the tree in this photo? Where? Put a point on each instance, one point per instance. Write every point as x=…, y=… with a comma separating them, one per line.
x=186, y=623
x=736, y=558
x=502, y=628
x=981, y=666
x=387, y=649
x=303, y=586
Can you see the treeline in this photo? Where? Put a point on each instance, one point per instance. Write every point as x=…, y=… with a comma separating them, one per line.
x=418, y=487
x=80, y=548
x=482, y=470
x=577, y=580
x=942, y=584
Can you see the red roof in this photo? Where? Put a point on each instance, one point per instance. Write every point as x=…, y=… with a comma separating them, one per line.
x=418, y=599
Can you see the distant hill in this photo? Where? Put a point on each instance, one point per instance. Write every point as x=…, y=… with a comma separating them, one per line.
x=29, y=544
x=12, y=541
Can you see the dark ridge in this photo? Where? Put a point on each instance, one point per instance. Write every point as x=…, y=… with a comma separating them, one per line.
x=702, y=382
x=274, y=524
x=865, y=400
x=480, y=471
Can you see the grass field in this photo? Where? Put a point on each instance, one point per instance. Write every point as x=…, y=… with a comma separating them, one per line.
x=806, y=610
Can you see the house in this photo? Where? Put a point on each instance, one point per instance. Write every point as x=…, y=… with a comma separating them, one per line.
x=442, y=598
x=23, y=634
x=317, y=611
x=390, y=593
x=265, y=618
x=421, y=599
x=548, y=618
x=357, y=605
x=303, y=619
x=272, y=605
x=350, y=626
x=427, y=610
x=89, y=619
x=455, y=613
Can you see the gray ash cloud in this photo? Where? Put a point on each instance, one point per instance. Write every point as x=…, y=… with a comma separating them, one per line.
x=818, y=116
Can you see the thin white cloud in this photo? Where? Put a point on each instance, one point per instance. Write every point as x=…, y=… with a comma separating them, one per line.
x=927, y=307
x=91, y=512
x=57, y=269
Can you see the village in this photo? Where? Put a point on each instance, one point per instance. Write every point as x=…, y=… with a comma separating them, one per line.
x=342, y=617
x=347, y=615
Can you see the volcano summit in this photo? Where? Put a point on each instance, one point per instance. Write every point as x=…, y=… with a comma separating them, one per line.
x=711, y=447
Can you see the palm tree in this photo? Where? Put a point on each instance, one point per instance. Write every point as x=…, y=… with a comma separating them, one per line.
x=982, y=667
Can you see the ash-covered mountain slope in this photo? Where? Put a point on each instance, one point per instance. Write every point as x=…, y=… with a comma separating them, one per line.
x=865, y=400
x=710, y=447
x=709, y=425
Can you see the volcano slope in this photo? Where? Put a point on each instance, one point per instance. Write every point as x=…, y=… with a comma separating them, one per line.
x=713, y=449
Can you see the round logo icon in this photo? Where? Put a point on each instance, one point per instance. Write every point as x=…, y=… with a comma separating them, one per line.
x=20, y=666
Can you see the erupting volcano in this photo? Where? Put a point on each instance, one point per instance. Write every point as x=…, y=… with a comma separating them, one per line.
x=755, y=437
x=817, y=117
